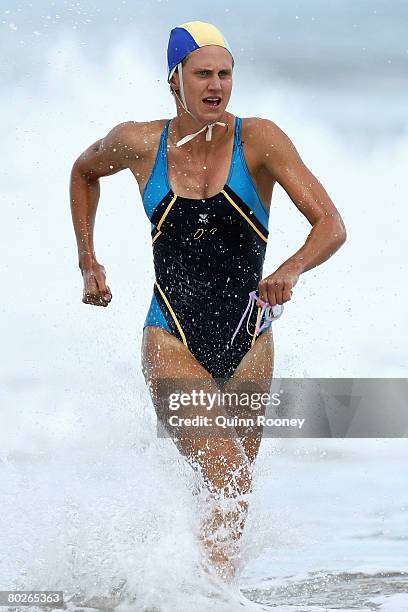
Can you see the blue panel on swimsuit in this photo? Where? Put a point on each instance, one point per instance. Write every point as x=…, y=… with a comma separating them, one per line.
x=157, y=185
x=155, y=316
x=241, y=182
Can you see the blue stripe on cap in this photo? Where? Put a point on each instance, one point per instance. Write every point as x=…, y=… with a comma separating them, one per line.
x=181, y=43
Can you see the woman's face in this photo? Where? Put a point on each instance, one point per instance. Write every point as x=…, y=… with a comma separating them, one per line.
x=207, y=73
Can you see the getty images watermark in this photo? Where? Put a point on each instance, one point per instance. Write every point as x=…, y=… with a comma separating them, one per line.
x=203, y=408
x=287, y=407
x=211, y=402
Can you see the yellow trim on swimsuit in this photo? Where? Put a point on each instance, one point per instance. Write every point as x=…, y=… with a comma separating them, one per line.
x=166, y=212
x=244, y=215
x=173, y=314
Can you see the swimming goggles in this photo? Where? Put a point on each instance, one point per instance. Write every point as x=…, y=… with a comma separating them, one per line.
x=265, y=310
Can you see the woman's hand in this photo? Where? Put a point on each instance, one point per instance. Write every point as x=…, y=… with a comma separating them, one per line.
x=277, y=287
x=96, y=291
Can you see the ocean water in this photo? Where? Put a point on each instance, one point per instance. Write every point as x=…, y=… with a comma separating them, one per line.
x=95, y=505
x=92, y=502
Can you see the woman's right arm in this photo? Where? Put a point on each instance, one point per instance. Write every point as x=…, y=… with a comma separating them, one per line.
x=106, y=156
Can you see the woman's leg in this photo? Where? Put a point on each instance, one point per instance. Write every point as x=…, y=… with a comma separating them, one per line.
x=253, y=376
x=222, y=460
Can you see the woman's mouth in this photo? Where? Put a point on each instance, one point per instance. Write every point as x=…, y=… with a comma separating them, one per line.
x=212, y=102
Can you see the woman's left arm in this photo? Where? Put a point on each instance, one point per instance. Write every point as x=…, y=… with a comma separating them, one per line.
x=328, y=233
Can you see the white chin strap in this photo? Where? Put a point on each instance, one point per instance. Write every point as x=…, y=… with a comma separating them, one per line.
x=208, y=127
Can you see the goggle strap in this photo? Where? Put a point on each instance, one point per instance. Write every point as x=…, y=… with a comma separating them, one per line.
x=252, y=300
x=242, y=319
x=258, y=327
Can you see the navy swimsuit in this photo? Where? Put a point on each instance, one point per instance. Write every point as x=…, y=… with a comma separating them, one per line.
x=208, y=255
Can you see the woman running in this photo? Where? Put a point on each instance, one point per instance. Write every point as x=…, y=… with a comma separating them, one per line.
x=206, y=179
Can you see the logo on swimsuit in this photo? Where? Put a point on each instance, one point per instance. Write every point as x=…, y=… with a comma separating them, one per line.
x=200, y=231
x=203, y=218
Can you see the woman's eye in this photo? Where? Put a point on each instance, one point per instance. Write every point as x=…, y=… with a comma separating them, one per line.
x=205, y=73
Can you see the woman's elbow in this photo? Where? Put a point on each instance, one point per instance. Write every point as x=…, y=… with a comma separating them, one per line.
x=340, y=232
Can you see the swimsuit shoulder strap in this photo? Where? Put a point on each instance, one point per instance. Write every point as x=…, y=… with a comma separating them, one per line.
x=240, y=179
x=163, y=151
x=235, y=148
x=158, y=184
x=163, y=138
x=237, y=135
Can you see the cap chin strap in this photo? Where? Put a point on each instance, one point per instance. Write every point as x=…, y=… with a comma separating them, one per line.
x=183, y=102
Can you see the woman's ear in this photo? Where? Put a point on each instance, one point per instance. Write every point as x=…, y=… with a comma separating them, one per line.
x=174, y=83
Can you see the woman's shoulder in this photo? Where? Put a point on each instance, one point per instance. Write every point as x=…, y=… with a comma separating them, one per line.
x=140, y=135
x=256, y=125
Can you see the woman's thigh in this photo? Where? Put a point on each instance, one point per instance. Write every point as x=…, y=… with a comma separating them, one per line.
x=252, y=380
x=257, y=363
x=167, y=364
x=165, y=358
x=163, y=355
